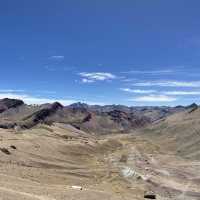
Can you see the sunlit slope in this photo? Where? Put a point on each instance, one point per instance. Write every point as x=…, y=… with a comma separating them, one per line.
x=179, y=132
x=46, y=161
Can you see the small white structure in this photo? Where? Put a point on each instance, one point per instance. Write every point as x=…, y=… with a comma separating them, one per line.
x=17, y=128
x=76, y=187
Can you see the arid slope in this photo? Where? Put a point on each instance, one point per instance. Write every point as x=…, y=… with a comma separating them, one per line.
x=47, y=161
x=178, y=133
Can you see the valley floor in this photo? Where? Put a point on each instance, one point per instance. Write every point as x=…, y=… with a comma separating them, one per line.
x=45, y=163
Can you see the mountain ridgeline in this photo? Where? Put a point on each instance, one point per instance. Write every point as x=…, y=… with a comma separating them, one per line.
x=94, y=119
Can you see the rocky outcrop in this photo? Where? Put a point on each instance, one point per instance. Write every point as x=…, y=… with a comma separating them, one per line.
x=119, y=116
x=192, y=107
x=149, y=195
x=7, y=125
x=41, y=115
x=87, y=118
x=6, y=104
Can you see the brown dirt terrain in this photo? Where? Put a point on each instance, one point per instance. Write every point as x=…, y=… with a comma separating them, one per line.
x=47, y=161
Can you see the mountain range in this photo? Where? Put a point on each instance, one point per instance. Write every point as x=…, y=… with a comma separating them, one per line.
x=91, y=118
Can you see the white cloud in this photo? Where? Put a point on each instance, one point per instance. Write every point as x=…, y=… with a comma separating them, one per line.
x=28, y=99
x=96, y=76
x=171, y=93
x=182, y=93
x=154, y=98
x=137, y=91
x=169, y=84
x=12, y=96
x=85, y=80
x=34, y=100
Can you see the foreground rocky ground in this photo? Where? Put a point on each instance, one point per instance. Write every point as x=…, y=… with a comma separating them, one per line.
x=46, y=162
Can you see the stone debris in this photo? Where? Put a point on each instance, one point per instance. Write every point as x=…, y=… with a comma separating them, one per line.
x=13, y=147
x=146, y=177
x=4, y=150
x=149, y=195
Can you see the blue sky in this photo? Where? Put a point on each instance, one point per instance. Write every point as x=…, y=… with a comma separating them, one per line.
x=132, y=52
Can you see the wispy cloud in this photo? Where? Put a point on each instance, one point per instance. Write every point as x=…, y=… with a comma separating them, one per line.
x=37, y=100
x=46, y=92
x=29, y=99
x=34, y=100
x=57, y=57
x=168, y=84
x=11, y=91
x=96, y=76
x=152, y=72
x=12, y=96
x=182, y=93
x=154, y=98
x=50, y=68
x=59, y=68
x=85, y=80
x=128, y=80
x=137, y=91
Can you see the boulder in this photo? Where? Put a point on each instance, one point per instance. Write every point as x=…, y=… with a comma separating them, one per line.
x=149, y=195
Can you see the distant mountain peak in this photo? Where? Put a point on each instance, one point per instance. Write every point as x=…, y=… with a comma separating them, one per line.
x=192, y=107
x=79, y=105
x=7, y=103
x=56, y=105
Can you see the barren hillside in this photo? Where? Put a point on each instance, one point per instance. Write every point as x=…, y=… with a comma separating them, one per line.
x=48, y=152
x=179, y=133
